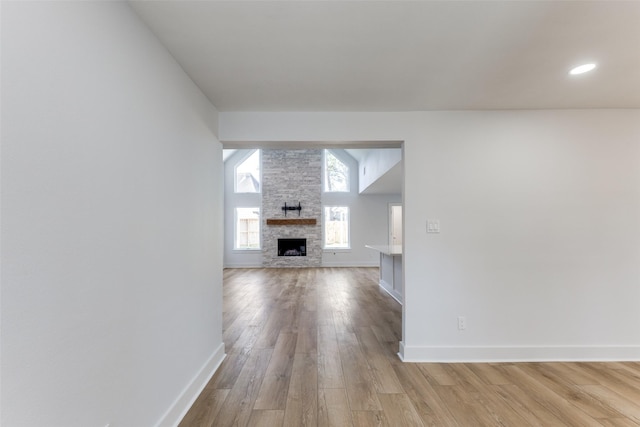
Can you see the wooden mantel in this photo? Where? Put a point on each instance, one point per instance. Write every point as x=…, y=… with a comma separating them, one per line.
x=291, y=221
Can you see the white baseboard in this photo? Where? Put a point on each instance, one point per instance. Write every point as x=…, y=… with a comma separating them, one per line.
x=185, y=400
x=324, y=264
x=519, y=354
x=242, y=265
x=349, y=264
x=401, y=351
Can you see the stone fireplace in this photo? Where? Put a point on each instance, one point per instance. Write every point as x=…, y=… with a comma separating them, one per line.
x=292, y=177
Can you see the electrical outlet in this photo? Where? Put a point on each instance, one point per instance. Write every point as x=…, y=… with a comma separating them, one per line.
x=462, y=323
x=433, y=226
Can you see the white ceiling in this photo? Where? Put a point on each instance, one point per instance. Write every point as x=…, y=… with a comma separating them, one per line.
x=403, y=55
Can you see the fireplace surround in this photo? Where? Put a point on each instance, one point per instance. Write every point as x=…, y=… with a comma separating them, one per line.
x=294, y=177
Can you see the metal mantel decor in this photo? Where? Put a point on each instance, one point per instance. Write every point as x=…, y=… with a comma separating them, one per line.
x=286, y=208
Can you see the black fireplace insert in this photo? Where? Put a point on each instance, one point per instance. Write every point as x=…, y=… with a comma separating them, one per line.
x=292, y=247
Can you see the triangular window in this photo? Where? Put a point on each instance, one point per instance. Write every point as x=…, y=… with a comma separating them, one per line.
x=248, y=174
x=336, y=173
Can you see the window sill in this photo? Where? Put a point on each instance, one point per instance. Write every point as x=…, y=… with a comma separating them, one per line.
x=246, y=251
x=336, y=250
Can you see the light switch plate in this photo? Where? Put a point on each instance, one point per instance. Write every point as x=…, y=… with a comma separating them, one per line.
x=433, y=226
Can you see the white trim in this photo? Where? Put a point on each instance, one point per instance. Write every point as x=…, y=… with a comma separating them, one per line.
x=235, y=248
x=243, y=159
x=451, y=354
x=250, y=265
x=348, y=264
x=324, y=229
x=324, y=178
x=188, y=396
x=401, y=351
x=329, y=249
x=391, y=205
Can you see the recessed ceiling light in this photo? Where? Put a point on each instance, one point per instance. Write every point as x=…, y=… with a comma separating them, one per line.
x=580, y=69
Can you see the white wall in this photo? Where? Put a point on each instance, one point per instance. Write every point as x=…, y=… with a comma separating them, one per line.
x=111, y=221
x=540, y=218
x=375, y=164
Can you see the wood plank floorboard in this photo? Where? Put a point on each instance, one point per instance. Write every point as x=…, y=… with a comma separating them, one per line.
x=318, y=347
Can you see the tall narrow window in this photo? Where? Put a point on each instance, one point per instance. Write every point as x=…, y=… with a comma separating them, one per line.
x=336, y=173
x=336, y=227
x=247, y=228
x=248, y=174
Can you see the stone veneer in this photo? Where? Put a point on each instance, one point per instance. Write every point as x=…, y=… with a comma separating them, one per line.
x=291, y=176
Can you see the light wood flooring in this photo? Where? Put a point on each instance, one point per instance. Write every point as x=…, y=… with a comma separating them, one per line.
x=317, y=347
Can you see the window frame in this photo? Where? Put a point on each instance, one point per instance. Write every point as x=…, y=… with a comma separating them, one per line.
x=324, y=229
x=325, y=173
x=239, y=163
x=236, y=231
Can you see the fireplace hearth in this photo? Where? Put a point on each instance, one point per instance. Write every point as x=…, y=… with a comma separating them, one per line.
x=292, y=247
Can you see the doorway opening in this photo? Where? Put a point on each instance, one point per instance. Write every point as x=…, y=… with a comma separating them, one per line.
x=395, y=224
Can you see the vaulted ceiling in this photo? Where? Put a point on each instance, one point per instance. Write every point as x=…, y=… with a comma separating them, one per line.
x=403, y=55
